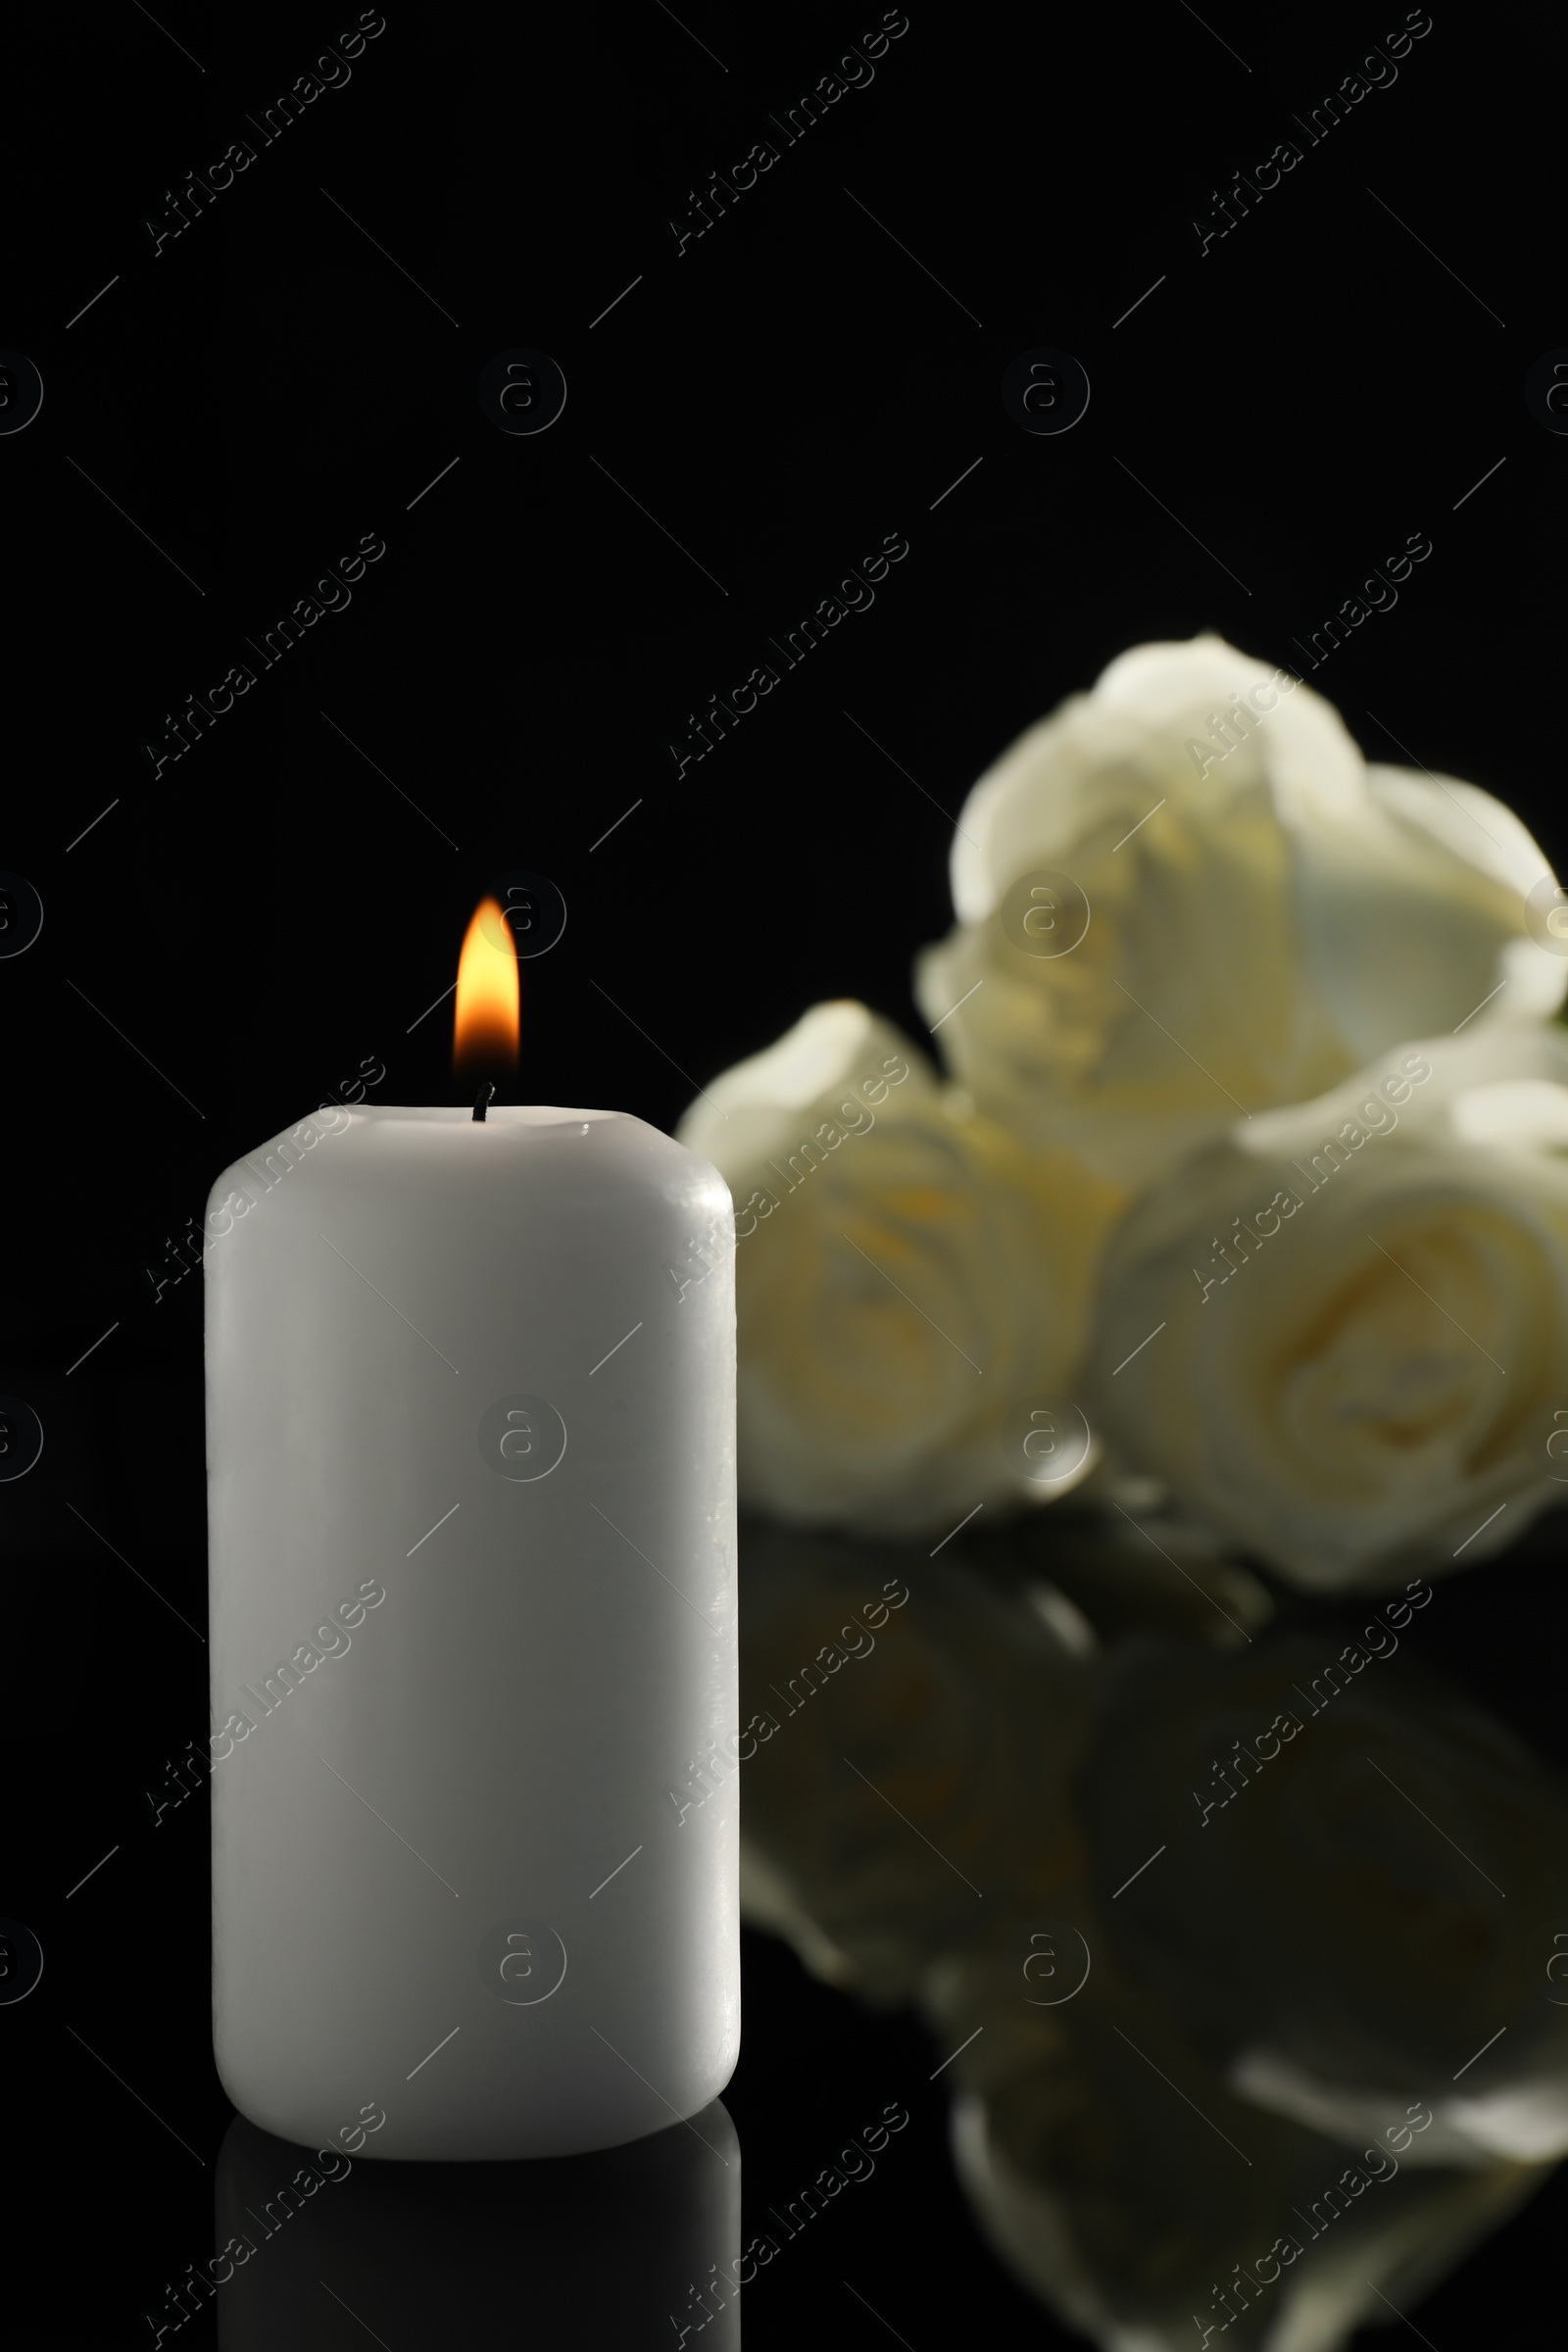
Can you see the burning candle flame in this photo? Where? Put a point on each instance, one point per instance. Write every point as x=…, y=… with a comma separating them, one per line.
x=486, y=1020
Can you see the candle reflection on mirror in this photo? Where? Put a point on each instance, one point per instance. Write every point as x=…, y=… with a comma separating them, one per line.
x=598, y=2249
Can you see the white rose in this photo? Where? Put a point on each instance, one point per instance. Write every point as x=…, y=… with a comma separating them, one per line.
x=1261, y=920
x=1342, y=1335
x=909, y=1282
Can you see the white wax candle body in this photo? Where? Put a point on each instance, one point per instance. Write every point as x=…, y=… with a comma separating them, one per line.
x=484, y=1370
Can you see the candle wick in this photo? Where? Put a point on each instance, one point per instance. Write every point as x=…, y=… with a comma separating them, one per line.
x=485, y=1095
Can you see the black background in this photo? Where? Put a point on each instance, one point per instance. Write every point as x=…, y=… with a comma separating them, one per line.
x=242, y=930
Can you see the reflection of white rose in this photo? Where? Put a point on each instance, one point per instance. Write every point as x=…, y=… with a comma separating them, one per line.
x=913, y=1737
x=1342, y=1335
x=1135, y=1569
x=908, y=1280
x=1128, y=2261
x=1256, y=931
x=1241, y=2108
x=1350, y=1918
x=1245, y=2120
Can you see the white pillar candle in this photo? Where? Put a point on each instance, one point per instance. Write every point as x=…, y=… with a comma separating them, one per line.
x=471, y=1461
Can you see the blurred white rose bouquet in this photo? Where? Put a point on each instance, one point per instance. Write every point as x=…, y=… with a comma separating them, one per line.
x=1250, y=1177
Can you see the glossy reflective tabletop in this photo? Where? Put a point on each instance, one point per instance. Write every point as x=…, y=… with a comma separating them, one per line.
x=1015, y=2034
